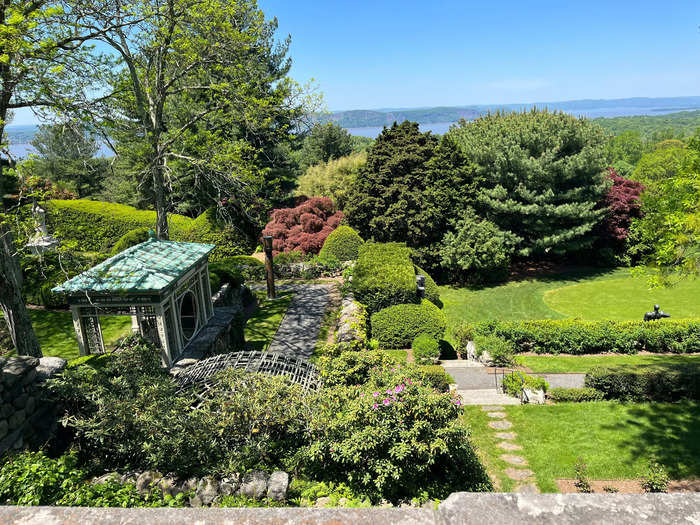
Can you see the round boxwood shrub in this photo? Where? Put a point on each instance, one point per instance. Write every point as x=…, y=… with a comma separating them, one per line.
x=426, y=349
x=342, y=244
x=132, y=238
x=397, y=326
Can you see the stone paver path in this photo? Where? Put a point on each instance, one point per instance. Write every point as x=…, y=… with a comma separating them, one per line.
x=505, y=435
x=501, y=425
x=507, y=445
x=519, y=474
x=496, y=415
x=298, y=332
x=514, y=460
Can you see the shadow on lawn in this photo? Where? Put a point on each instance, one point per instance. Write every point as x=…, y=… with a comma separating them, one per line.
x=569, y=275
x=669, y=433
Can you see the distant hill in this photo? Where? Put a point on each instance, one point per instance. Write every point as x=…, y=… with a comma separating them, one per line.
x=20, y=134
x=684, y=123
x=593, y=108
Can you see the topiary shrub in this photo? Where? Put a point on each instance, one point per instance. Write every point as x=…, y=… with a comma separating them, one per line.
x=502, y=351
x=426, y=349
x=304, y=228
x=209, y=229
x=574, y=395
x=515, y=383
x=437, y=377
x=384, y=276
x=397, y=326
x=130, y=239
x=343, y=244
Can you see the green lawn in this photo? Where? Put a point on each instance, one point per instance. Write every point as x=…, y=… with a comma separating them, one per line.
x=261, y=327
x=565, y=363
x=57, y=336
x=615, y=440
x=591, y=294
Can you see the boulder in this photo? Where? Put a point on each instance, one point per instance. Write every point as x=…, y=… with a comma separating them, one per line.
x=254, y=485
x=168, y=486
x=229, y=485
x=50, y=366
x=104, y=478
x=535, y=397
x=277, y=486
x=207, y=490
x=146, y=480
x=324, y=501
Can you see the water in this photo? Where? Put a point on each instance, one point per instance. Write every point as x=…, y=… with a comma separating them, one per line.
x=22, y=151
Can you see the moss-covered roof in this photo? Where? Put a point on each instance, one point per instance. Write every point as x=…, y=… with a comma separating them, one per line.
x=147, y=267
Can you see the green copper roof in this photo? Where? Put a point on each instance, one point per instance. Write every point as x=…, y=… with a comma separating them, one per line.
x=147, y=267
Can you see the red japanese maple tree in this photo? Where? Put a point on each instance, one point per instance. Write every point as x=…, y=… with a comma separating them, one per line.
x=303, y=228
x=622, y=203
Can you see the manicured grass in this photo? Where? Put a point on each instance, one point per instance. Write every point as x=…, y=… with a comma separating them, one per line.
x=400, y=355
x=616, y=441
x=591, y=294
x=261, y=327
x=57, y=336
x=582, y=364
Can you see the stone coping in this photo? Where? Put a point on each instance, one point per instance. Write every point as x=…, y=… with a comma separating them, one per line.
x=460, y=508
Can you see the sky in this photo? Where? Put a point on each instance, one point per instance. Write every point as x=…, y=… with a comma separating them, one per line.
x=400, y=54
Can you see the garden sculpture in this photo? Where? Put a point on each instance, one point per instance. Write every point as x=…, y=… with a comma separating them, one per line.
x=656, y=314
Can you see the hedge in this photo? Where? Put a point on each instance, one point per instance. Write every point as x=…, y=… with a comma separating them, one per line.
x=645, y=385
x=572, y=336
x=250, y=268
x=513, y=383
x=437, y=377
x=208, y=229
x=97, y=226
x=574, y=395
x=342, y=244
x=397, y=326
x=130, y=239
x=432, y=292
x=384, y=276
x=426, y=349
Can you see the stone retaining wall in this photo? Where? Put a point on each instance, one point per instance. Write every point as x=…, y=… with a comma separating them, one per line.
x=24, y=418
x=351, y=321
x=461, y=508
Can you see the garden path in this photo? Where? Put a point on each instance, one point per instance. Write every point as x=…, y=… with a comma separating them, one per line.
x=298, y=332
x=477, y=385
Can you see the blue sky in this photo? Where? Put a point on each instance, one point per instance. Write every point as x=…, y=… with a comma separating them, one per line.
x=389, y=53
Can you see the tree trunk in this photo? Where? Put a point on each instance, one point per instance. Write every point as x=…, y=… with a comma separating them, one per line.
x=13, y=308
x=159, y=194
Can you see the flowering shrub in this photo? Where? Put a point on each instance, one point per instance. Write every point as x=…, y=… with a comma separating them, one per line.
x=393, y=437
x=303, y=228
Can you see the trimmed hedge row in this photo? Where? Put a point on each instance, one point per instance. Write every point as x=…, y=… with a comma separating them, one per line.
x=572, y=336
x=574, y=395
x=397, y=326
x=97, y=226
x=100, y=226
x=645, y=385
x=384, y=276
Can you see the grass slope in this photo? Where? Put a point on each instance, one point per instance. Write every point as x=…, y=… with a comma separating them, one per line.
x=564, y=363
x=615, y=440
x=261, y=327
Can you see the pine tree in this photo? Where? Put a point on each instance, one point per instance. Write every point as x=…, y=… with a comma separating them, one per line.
x=543, y=174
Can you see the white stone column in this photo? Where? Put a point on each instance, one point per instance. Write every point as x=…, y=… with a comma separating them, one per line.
x=167, y=353
x=78, y=326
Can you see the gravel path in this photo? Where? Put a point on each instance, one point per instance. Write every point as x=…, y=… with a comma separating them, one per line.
x=299, y=329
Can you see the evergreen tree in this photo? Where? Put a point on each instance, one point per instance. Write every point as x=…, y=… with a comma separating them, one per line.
x=411, y=187
x=323, y=143
x=543, y=174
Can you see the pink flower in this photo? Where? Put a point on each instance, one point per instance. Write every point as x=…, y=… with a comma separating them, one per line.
x=375, y=394
x=399, y=388
x=387, y=401
x=458, y=402
x=389, y=392
x=375, y=406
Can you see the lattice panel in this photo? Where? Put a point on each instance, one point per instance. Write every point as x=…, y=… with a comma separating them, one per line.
x=297, y=370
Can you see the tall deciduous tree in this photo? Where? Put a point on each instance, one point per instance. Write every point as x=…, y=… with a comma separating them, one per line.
x=543, y=174
x=189, y=66
x=44, y=64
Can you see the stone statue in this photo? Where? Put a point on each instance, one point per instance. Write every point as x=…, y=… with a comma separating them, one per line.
x=656, y=314
x=41, y=241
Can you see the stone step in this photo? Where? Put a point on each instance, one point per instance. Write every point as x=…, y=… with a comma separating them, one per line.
x=488, y=396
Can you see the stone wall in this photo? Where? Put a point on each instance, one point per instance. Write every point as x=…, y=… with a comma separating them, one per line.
x=461, y=508
x=351, y=321
x=24, y=418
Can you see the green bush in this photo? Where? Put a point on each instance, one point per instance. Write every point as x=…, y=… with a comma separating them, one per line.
x=432, y=292
x=130, y=239
x=502, y=352
x=250, y=268
x=426, y=349
x=209, y=229
x=574, y=395
x=393, y=437
x=437, y=377
x=462, y=334
x=513, y=384
x=343, y=244
x=339, y=366
x=645, y=385
x=397, y=326
x=97, y=226
x=656, y=479
x=384, y=276
x=573, y=336
x=221, y=273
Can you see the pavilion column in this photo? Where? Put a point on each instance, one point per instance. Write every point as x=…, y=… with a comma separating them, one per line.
x=78, y=326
